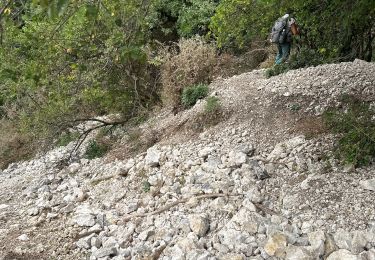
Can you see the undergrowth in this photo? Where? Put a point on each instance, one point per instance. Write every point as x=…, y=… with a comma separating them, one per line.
x=354, y=122
x=66, y=138
x=192, y=94
x=96, y=149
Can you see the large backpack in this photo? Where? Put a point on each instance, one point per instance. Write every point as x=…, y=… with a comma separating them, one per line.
x=277, y=29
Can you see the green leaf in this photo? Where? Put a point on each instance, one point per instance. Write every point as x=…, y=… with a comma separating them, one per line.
x=91, y=11
x=61, y=6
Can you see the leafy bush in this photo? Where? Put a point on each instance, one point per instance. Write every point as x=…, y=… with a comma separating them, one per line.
x=95, y=150
x=192, y=63
x=187, y=18
x=354, y=122
x=236, y=23
x=190, y=95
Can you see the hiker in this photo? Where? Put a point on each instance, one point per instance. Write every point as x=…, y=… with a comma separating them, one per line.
x=281, y=34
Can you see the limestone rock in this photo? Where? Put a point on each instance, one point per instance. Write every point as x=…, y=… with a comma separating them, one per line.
x=84, y=220
x=276, y=245
x=153, y=157
x=368, y=184
x=298, y=253
x=343, y=254
x=199, y=224
x=103, y=252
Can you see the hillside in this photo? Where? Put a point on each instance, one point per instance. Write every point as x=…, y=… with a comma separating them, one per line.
x=261, y=183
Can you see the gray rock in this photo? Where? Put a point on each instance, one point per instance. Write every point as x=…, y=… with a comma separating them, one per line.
x=259, y=172
x=153, y=157
x=298, y=253
x=96, y=242
x=343, y=239
x=368, y=184
x=84, y=242
x=3, y=206
x=146, y=234
x=359, y=242
x=84, y=220
x=368, y=255
x=103, y=252
x=276, y=245
x=317, y=241
x=290, y=201
x=343, y=254
x=109, y=242
x=199, y=224
x=237, y=158
x=23, y=237
x=33, y=212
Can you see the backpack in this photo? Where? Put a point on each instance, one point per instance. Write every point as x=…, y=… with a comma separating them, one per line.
x=277, y=31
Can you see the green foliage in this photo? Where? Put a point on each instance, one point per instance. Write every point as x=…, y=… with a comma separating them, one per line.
x=66, y=138
x=190, y=95
x=95, y=150
x=340, y=29
x=355, y=125
x=83, y=60
x=238, y=22
x=186, y=18
x=212, y=104
x=146, y=186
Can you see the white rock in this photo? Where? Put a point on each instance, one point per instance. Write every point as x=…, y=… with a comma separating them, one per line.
x=298, y=253
x=23, y=237
x=3, y=206
x=199, y=224
x=343, y=254
x=368, y=184
x=84, y=220
x=276, y=245
x=103, y=252
x=343, y=239
x=153, y=157
x=237, y=158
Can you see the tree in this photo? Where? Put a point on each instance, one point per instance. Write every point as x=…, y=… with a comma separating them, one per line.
x=76, y=59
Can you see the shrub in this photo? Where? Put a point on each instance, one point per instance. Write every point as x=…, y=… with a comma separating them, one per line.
x=355, y=125
x=66, y=138
x=14, y=145
x=190, y=95
x=193, y=62
x=95, y=149
x=212, y=104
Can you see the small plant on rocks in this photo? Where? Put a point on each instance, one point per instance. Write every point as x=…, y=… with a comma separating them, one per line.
x=190, y=95
x=354, y=122
x=212, y=104
x=146, y=186
x=95, y=149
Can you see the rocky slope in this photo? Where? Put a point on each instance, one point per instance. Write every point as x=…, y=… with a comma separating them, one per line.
x=261, y=184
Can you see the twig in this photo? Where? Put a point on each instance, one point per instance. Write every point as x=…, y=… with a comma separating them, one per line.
x=175, y=203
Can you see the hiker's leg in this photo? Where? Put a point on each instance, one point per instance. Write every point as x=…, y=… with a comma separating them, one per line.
x=279, y=56
x=285, y=47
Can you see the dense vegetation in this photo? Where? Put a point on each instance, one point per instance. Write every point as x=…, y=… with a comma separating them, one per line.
x=65, y=61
